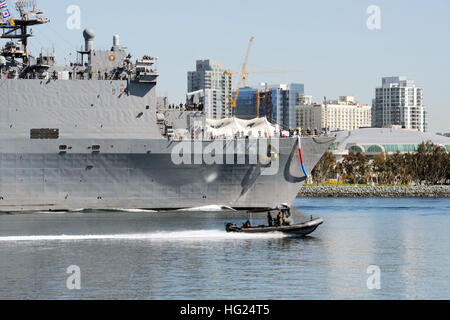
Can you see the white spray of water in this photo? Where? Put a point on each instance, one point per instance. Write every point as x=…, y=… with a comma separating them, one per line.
x=132, y=210
x=198, y=235
x=211, y=208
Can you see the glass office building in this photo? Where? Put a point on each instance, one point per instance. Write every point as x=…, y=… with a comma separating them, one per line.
x=246, y=106
x=277, y=103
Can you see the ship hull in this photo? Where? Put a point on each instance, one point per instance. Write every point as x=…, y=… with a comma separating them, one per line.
x=78, y=174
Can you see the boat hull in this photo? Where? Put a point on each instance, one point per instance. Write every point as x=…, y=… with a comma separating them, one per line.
x=141, y=174
x=301, y=229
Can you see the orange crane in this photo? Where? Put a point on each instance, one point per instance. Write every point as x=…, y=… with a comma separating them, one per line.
x=243, y=74
x=244, y=77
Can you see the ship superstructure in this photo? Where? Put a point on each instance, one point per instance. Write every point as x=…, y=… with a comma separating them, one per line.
x=89, y=135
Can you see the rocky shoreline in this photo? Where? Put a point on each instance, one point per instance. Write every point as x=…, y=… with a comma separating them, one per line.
x=374, y=191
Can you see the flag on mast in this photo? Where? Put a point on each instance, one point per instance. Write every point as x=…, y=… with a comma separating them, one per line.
x=6, y=14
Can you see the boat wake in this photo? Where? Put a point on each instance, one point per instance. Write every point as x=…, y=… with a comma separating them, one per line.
x=198, y=235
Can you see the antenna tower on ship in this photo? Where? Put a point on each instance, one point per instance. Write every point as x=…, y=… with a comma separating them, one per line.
x=30, y=15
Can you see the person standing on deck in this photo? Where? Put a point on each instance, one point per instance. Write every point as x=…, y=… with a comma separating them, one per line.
x=269, y=219
x=280, y=218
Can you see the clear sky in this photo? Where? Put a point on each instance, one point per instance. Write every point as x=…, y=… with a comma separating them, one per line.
x=329, y=40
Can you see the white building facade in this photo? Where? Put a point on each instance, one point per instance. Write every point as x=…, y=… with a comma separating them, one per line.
x=212, y=75
x=334, y=115
x=399, y=102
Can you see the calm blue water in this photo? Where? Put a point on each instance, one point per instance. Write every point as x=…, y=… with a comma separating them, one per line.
x=177, y=255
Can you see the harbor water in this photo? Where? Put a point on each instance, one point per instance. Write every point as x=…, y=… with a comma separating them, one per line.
x=402, y=243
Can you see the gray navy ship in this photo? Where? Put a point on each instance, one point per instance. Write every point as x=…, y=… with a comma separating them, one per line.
x=88, y=135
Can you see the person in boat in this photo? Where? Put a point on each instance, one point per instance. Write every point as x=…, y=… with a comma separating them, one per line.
x=269, y=219
x=280, y=219
x=247, y=224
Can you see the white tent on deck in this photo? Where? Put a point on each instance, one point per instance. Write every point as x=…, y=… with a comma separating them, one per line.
x=231, y=127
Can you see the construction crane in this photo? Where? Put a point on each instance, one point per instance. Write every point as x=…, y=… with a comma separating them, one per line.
x=243, y=74
x=244, y=77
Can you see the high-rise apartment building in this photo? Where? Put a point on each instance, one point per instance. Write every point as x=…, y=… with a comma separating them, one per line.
x=211, y=75
x=399, y=102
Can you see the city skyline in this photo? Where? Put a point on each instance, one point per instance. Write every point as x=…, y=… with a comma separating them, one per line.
x=330, y=41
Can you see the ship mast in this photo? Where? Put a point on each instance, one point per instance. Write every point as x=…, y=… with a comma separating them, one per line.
x=29, y=16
